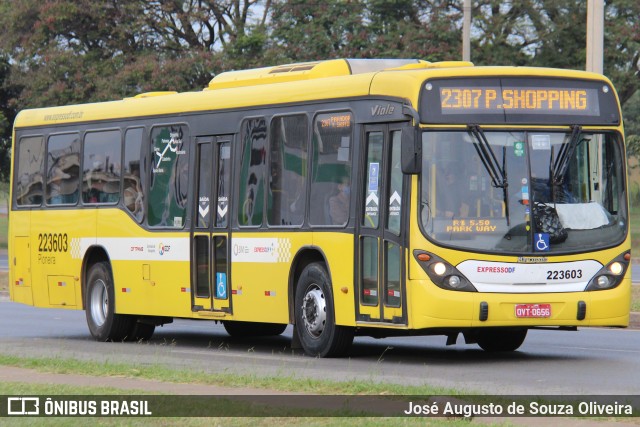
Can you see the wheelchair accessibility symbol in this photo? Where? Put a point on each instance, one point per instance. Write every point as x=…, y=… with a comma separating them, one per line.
x=221, y=285
x=542, y=242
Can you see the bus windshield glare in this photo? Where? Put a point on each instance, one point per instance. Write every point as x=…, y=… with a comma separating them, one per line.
x=522, y=193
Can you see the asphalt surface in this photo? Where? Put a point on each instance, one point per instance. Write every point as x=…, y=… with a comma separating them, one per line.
x=602, y=361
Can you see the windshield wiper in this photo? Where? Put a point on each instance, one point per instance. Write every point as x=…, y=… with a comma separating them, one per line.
x=561, y=163
x=497, y=173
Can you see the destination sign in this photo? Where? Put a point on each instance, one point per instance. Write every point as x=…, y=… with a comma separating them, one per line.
x=336, y=121
x=455, y=100
x=518, y=100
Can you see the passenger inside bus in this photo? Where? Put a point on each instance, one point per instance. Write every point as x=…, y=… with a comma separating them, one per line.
x=450, y=200
x=297, y=196
x=339, y=203
x=133, y=195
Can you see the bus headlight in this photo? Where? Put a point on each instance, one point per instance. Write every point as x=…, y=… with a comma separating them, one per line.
x=443, y=274
x=610, y=275
x=454, y=281
x=439, y=268
x=616, y=268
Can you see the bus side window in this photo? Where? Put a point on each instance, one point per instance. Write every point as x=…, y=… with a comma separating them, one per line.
x=63, y=169
x=331, y=169
x=167, y=201
x=133, y=188
x=28, y=184
x=101, y=167
x=252, y=170
x=288, y=166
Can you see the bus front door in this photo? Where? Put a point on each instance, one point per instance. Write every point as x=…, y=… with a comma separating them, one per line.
x=381, y=293
x=210, y=281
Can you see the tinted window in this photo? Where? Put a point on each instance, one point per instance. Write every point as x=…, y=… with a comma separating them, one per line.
x=63, y=169
x=204, y=185
x=224, y=184
x=29, y=178
x=169, y=176
x=331, y=169
x=251, y=187
x=394, y=207
x=133, y=188
x=101, y=167
x=288, y=170
x=373, y=185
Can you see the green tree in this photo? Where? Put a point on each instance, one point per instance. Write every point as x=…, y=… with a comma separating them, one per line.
x=427, y=30
x=7, y=114
x=303, y=31
x=57, y=52
x=68, y=51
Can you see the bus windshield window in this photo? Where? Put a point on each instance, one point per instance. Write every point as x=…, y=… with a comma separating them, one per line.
x=563, y=192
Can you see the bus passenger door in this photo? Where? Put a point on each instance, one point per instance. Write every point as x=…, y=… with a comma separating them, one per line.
x=210, y=284
x=381, y=293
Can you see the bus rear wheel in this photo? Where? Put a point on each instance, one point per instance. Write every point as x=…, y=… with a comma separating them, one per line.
x=314, y=315
x=253, y=329
x=104, y=323
x=495, y=340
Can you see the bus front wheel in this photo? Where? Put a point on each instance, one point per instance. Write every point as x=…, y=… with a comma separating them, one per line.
x=314, y=313
x=140, y=331
x=104, y=323
x=501, y=339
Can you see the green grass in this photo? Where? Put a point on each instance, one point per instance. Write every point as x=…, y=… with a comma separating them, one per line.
x=635, y=230
x=164, y=374
x=635, y=298
x=4, y=224
x=314, y=417
x=4, y=193
x=4, y=231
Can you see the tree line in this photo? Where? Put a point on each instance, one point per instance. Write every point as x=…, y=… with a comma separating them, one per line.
x=57, y=52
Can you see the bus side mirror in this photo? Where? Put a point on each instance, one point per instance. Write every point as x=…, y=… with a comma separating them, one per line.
x=411, y=151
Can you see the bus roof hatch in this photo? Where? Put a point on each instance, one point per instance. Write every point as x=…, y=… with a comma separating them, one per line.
x=304, y=71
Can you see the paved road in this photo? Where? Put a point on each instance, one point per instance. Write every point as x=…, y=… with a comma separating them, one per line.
x=590, y=361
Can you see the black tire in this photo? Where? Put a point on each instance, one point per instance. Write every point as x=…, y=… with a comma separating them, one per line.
x=253, y=329
x=314, y=314
x=104, y=323
x=141, y=331
x=495, y=340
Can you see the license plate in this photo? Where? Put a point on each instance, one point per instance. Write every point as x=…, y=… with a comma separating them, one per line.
x=527, y=311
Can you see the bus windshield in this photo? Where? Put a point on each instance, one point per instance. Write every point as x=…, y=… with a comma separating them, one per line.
x=519, y=193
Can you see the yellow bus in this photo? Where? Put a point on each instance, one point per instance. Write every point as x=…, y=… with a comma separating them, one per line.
x=345, y=197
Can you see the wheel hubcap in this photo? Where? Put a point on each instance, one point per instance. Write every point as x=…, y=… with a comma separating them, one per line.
x=99, y=302
x=314, y=311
